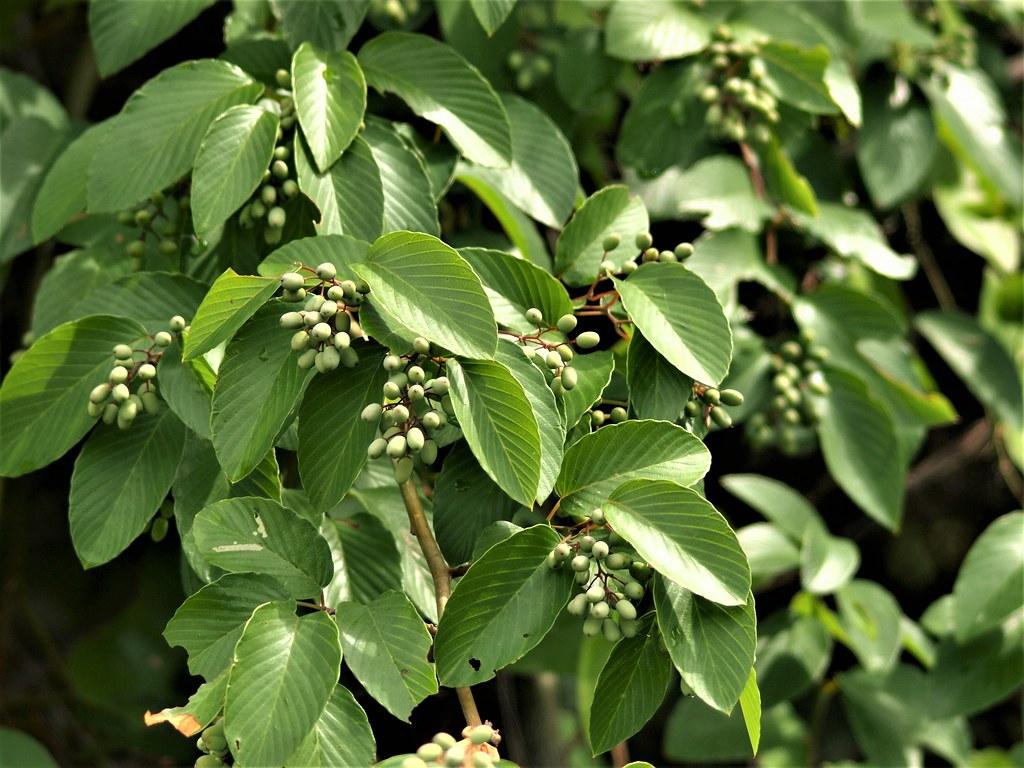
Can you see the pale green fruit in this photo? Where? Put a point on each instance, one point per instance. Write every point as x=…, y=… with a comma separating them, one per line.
x=634, y=590
x=120, y=393
x=314, y=302
x=391, y=390
x=618, y=415
x=599, y=550
x=328, y=309
x=392, y=363
x=628, y=628
x=292, y=281
x=595, y=594
x=321, y=332
x=299, y=341
x=162, y=339
x=580, y=564
x=400, y=414
x=611, y=631
x=292, y=320
x=578, y=605
x=562, y=551
x=416, y=374
x=600, y=610
x=307, y=359
x=349, y=357
x=586, y=543
x=371, y=412
x=481, y=734
x=421, y=345
x=416, y=392
x=403, y=469
x=94, y=409
x=626, y=609
x=150, y=402
x=567, y=323
x=428, y=453
x=326, y=271
x=588, y=340
x=122, y=351
x=597, y=516
x=592, y=626
x=440, y=386
x=611, y=242
x=118, y=375
x=643, y=240
x=376, y=449
x=535, y=316
x=109, y=413
x=553, y=359
x=343, y=322
x=342, y=340
x=328, y=359
x=565, y=352
x=147, y=371
x=431, y=420
x=616, y=561
x=397, y=446
x=99, y=393
x=415, y=439
x=429, y=752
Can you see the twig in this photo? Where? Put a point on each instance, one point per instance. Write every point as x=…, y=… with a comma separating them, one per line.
x=925, y=257
x=620, y=754
x=771, y=237
x=441, y=577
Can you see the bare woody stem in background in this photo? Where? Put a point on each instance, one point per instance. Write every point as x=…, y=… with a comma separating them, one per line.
x=771, y=244
x=440, y=575
x=925, y=257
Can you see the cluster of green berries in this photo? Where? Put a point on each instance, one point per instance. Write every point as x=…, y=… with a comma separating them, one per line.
x=159, y=525
x=162, y=220
x=554, y=355
x=214, y=744
x=957, y=45
x=740, y=108
x=477, y=749
x=611, y=582
x=279, y=179
x=324, y=327
x=795, y=408
x=616, y=415
x=529, y=68
x=646, y=253
x=114, y=399
x=708, y=405
x=415, y=404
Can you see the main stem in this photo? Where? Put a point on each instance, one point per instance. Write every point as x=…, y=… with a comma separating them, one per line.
x=441, y=577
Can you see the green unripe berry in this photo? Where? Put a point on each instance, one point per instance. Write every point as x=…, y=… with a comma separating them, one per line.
x=634, y=590
x=440, y=386
x=143, y=217
x=429, y=752
x=586, y=543
x=392, y=363
x=416, y=374
x=588, y=340
x=321, y=332
x=120, y=393
x=791, y=416
x=600, y=610
x=481, y=734
x=299, y=341
x=607, y=267
x=611, y=242
x=580, y=564
x=731, y=397
x=415, y=439
x=283, y=78
x=616, y=561
x=335, y=293
x=444, y=740
x=683, y=251
x=147, y=371
x=581, y=578
x=553, y=360
x=651, y=254
x=578, y=605
x=626, y=609
x=416, y=392
x=535, y=316
x=177, y=323
x=692, y=409
x=640, y=571
x=99, y=393
x=643, y=240
x=342, y=340
x=618, y=415
x=94, y=409
x=592, y=626
x=595, y=594
x=326, y=271
x=282, y=153
x=328, y=309
x=290, y=188
x=431, y=420
x=414, y=761
x=397, y=446
x=597, y=516
x=666, y=256
x=168, y=247
x=376, y=448
x=611, y=631
x=446, y=404
x=721, y=417
x=279, y=168
x=162, y=339
x=371, y=412
x=569, y=378
x=276, y=217
x=565, y=352
x=562, y=551
x=292, y=320
x=599, y=550
x=400, y=414
x=712, y=396
x=597, y=418
x=391, y=390
x=307, y=359
x=421, y=346
x=136, y=249
x=628, y=628
x=709, y=94
x=209, y=761
x=126, y=413
x=328, y=359
x=349, y=357
x=125, y=217
x=629, y=267
x=293, y=296
x=567, y=323
x=122, y=351
x=428, y=453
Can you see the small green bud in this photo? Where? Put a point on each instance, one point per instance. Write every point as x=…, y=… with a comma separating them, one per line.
x=629, y=267
x=640, y=571
x=99, y=393
x=416, y=392
x=649, y=255
x=168, y=247
x=150, y=402
x=618, y=415
x=597, y=418
x=611, y=242
x=592, y=626
x=209, y=761
x=597, y=516
x=628, y=628
x=567, y=323
x=586, y=543
x=328, y=309
x=607, y=267
x=143, y=217
x=692, y=409
x=588, y=340
x=643, y=240
x=147, y=371
x=283, y=78
x=581, y=578
x=535, y=316
x=276, y=217
x=611, y=631
x=118, y=374
x=731, y=397
x=349, y=357
x=109, y=413
x=94, y=409
x=626, y=609
x=444, y=740
x=298, y=295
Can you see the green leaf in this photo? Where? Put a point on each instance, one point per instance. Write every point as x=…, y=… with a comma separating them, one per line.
x=30, y=147
x=155, y=138
x=594, y=373
x=827, y=563
x=515, y=285
x=793, y=653
x=681, y=318
x=341, y=736
x=332, y=437
x=542, y=178
x=601, y=461
x=150, y=298
x=23, y=97
x=386, y=646
x=22, y=750
x=853, y=233
x=784, y=182
x=492, y=13
x=972, y=122
x=120, y=478
x=695, y=733
x=683, y=537
x=63, y=191
x=769, y=552
x=870, y=617
x=43, y=396
x=284, y=672
x=750, y=705
x=665, y=123
x=719, y=188
x=330, y=98
x=886, y=712
x=366, y=560
x=790, y=511
x=977, y=358
x=988, y=587
x=253, y=535
x=432, y=291
x=725, y=258
x=199, y=711
x=711, y=645
x=657, y=390
x=895, y=148
x=123, y=31
x=970, y=677
x=349, y=195
x=258, y=385
x=235, y=152
x=408, y=198
x=649, y=30
x=501, y=608
x=340, y=250
x=610, y=210
x=187, y=388
x=210, y=621
x=439, y=85
x=859, y=442
x=466, y=501
x=230, y=302
x=630, y=688
x=73, y=275
x=499, y=423
x=327, y=24
x=797, y=76
x=545, y=411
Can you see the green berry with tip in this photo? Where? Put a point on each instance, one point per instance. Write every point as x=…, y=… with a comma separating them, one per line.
x=643, y=241
x=565, y=352
x=616, y=561
x=342, y=340
x=731, y=397
x=712, y=396
x=592, y=626
x=618, y=415
x=535, y=316
x=279, y=168
x=299, y=341
x=209, y=761
x=580, y=563
x=600, y=610
x=400, y=414
x=429, y=752
x=683, y=251
x=416, y=374
x=481, y=734
x=567, y=323
x=721, y=417
x=328, y=359
x=588, y=340
x=99, y=393
x=397, y=446
x=391, y=390
x=136, y=249
x=440, y=386
x=651, y=254
x=376, y=448
x=634, y=590
x=392, y=363
x=414, y=439
x=147, y=371
x=292, y=320
x=595, y=594
x=421, y=346
x=611, y=242
x=599, y=550
x=120, y=393
x=428, y=453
